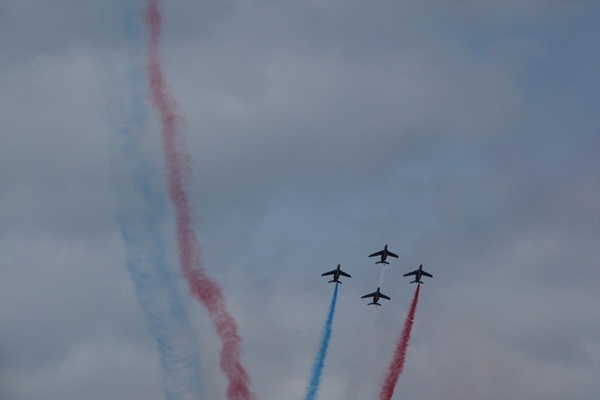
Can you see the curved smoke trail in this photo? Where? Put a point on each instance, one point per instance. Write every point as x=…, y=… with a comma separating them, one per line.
x=317, y=370
x=141, y=215
x=207, y=291
x=397, y=364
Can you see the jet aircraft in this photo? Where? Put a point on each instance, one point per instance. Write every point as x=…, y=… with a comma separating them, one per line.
x=383, y=253
x=376, y=296
x=418, y=273
x=336, y=274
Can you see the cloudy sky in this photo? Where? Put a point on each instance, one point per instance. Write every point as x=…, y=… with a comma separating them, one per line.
x=464, y=134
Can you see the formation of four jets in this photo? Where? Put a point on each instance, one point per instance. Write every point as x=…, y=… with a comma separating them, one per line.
x=376, y=295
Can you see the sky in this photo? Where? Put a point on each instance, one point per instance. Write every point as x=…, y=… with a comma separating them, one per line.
x=463, y=134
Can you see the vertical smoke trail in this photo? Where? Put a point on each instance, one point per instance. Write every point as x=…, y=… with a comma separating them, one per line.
x=141, y=214
x=397, y=364
x=355, y=381
x=202, y=287
x=317, y=370
x=381, y=276
x=140, y=218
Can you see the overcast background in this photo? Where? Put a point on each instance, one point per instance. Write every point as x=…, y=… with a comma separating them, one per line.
x=464, y=134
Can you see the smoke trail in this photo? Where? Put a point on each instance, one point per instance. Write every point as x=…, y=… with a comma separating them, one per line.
x=155, y=285
x=354, y=386
x=355, y=382
x=317, y=370
x=397, y=364
x=202, y=287
x=141, y=212
x=381, y=276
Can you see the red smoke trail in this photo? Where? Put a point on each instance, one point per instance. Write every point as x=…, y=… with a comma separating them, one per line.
x=202, y=287
x=397, y=364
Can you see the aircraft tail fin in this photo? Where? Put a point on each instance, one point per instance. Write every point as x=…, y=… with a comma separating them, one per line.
x=334, y=280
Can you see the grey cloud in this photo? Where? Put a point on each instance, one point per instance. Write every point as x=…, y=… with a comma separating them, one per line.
x=462, y=135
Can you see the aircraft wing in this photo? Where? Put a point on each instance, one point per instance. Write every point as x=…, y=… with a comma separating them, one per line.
x=345, y=274
x=392, y=254
x=411, y=273
x=378, y=253
x=328, y=273
x=383, y=296
x=369, y=295
x=426, y=274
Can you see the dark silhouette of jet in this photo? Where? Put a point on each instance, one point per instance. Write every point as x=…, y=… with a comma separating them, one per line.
x=384, y=254
x=418, y=273
x=376, y=296
x=336, y=274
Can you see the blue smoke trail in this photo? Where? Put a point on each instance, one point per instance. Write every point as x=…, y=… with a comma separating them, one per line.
x=141, y=216
x=317, y=370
